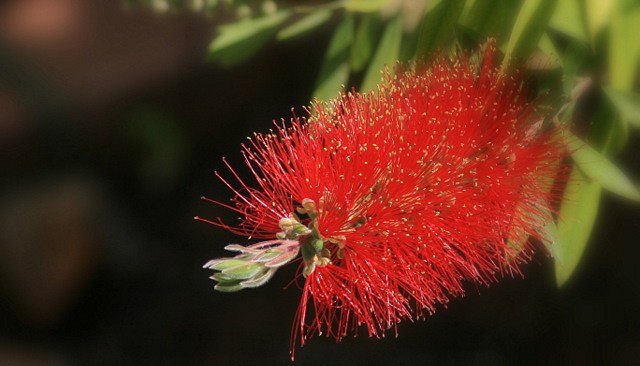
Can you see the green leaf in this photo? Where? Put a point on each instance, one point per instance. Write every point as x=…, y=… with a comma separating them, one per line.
x=335, y=69
x=305, y=25
x=438, y=26
x=491, y=18
x=548, y=48
x=476, y=14
x=575, y=223
x=624, y=48
x=597, y=167
x=386, y=54
x=530, y=24
x=567, y=18
x=364, y=43
x=408, y=45
x=550, y=235
x=576, y=57
x=598, y=14
x=365, y=6
x=627, y=104
x=239, y=41
x=468, y=8
x=608, y=132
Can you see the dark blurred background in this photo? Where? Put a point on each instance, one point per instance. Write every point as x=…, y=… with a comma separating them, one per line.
x=111, y=125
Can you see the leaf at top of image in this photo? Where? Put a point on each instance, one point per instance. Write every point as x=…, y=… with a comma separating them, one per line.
x=568, y=19
x=334, y=72
x=364, y=42
x=386, y=54
x=438, y=26
x=529, y=26
x=365, y=6
x=305, y=25
x=490, y=18
x=598, y=14
x=238, y=41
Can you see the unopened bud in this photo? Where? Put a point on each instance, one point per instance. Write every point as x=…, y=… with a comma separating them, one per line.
x=301, y=230
x=287, y=223
x=309, y=205
x=309, y=268
x=318, y=245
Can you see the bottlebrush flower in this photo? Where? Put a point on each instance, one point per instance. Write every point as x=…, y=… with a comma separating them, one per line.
x=395, y=199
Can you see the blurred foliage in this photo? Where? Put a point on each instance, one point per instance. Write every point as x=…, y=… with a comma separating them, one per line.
x=162, y=142
x=584, y=53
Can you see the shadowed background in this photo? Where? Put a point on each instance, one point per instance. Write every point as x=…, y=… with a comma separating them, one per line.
x=111, y=125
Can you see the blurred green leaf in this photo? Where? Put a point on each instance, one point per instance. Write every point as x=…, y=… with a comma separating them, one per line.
x=239, y=41
x=598, y=13
x=365, y=6
x=468, y=8
x=476, y=14
x=163, y=146
x=386, y=54
x=608, y=132
x=490, y=18
x=627, y=104
x=575, y=223
x=529, y=26
x=597, y=167
x=408, y=46
x=568, y=18
x=364, y=43
x=575, y=59
x=438, y=26
x=550, y=233
x=547, y=47
x=335, y=69
x=305, y=25
x=624, y=47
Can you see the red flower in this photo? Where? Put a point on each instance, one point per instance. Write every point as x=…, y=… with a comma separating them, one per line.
x=396, y=199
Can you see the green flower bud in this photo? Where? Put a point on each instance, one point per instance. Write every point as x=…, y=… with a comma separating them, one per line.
x=243, y=272
x=287, y=223
x=318, y=245
x=309, y=205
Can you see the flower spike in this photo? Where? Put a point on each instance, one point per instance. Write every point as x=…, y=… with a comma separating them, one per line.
x=395, y=199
